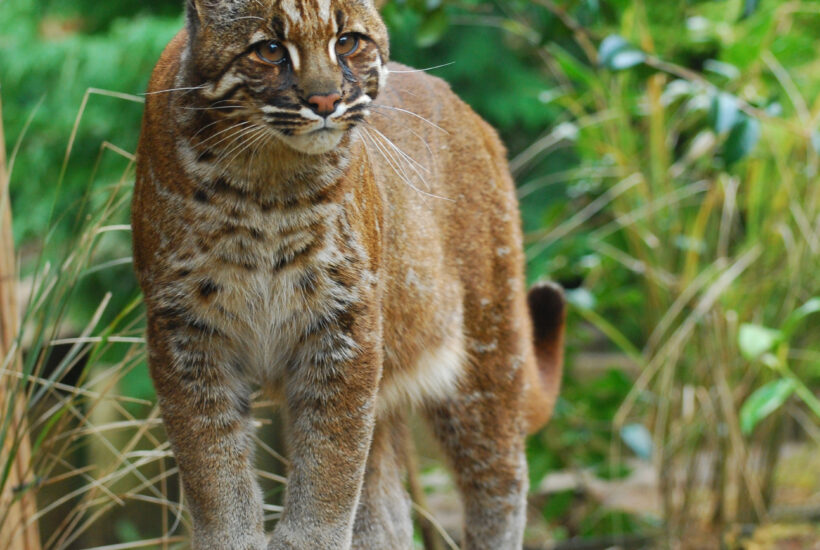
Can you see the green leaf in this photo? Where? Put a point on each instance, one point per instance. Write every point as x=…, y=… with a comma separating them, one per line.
x=726, y=70
x=725, y=113
x=763, y=402
x=815, y=140
x=572, y=68
x=433, y=27
x=810, y=307
x=749, y=8
x=755, y=340
x=558, y=505
x=617, y=54
x=638, y=438
x=742, y=140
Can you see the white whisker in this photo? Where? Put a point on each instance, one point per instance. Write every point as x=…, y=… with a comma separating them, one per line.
x=391, y=161
x=212, y=108
x=433, y=124
x=234, y=127
x=423, y=70
x=419, y=136
x=176, y=90
x=403, y=154
x=259, y=144
x=206, y=127
x=247, y=17
x=239, y=147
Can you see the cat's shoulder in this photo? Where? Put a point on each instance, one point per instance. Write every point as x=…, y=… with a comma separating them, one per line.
x=167, y=66
x=404, y=79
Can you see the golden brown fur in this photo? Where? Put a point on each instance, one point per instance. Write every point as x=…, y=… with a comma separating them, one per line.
x=352, y=272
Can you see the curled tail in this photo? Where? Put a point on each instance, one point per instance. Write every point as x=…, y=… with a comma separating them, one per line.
x=543, y=379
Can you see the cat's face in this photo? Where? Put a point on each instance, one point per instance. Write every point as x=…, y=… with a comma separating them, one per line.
x=306, y=70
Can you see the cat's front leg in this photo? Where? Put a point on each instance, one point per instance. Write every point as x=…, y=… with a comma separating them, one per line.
x=206, y=412
x=331, y=395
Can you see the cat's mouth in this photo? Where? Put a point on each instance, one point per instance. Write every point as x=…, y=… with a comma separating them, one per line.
x=316, y=134
x=316, y=140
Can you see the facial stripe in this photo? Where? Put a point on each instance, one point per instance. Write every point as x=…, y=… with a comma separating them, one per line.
x=324, y=10
x=222, y=87
x=294, y=55
x=331, y=49
x=294, y=15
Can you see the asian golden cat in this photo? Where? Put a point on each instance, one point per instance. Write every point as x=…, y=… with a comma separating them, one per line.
x=344, y=233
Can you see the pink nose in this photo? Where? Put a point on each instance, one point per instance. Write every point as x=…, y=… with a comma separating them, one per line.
x=324, y=104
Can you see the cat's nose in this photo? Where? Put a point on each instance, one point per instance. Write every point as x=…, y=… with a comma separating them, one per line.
x=324, y=104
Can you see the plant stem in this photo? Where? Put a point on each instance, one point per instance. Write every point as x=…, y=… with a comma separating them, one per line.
x=18, y=531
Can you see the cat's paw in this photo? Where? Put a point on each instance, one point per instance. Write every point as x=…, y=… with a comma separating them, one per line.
x=296, y=539
x=229, y=541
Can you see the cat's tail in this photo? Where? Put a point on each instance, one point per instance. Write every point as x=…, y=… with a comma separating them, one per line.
x=548, y=312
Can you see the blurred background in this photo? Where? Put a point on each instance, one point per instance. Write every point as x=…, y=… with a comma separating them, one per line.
x=666, y=155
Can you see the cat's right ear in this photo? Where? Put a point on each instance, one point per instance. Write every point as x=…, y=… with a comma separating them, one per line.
x=193, y=14
x=201, y=13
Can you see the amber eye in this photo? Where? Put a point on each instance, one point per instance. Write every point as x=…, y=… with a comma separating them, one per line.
x=347, y=44
x=271, y=52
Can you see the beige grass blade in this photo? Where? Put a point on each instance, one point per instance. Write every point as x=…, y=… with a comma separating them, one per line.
x=16, y=536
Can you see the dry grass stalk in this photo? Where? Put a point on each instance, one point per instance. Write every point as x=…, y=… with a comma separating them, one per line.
x=19, y=530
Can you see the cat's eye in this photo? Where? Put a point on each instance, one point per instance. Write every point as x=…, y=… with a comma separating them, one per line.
x=271, y=52
x=347, y=44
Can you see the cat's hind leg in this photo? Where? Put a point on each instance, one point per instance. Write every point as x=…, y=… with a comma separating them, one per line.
x=481, y=430
x=383, y=519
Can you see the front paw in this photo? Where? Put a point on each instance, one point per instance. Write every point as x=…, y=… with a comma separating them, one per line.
x=230, y=541
x=285, y=538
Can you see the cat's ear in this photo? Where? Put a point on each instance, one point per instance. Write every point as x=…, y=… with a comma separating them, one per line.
x=194, y=13
x=378, y=4
x=202, y=12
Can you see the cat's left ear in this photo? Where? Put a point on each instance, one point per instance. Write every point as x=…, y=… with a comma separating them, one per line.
x=378, y=4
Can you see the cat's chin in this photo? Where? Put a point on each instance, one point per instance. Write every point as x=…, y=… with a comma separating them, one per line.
x=315, y=143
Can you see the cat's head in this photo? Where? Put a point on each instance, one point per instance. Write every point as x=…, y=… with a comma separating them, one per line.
x=304, y=69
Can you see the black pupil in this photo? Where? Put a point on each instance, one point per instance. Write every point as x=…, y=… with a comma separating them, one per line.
x=273, y=49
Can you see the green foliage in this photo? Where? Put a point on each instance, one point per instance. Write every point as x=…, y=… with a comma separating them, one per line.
x=771, y=347
x=45, y=81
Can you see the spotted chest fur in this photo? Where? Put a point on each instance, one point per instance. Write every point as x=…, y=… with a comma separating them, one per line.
x=276, y=281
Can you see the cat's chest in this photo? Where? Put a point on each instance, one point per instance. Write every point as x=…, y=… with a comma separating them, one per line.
x=267, y=277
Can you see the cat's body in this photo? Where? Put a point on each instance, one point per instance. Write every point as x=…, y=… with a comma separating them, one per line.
x=351, y=272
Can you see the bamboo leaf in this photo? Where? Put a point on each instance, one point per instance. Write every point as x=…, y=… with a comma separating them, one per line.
x=742, y=140
x=725, y=113
x=638, y=438
x=763, y=402
x=617, y=54
x=755, y=340
x=749, y=7
x=810, y=307
x=432, y=28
